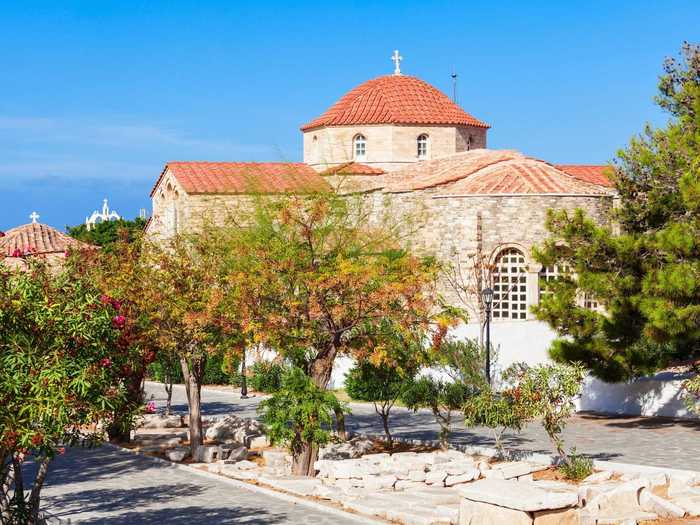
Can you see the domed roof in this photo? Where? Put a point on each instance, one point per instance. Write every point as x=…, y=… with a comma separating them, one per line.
x=395, y=99
x=35, y=239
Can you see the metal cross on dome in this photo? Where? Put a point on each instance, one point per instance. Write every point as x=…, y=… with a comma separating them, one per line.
x=397, y=62
x=34, y=217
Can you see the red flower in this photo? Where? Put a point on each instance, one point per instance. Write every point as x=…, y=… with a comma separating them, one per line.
x=106, y=362
x=37, y=439
x=17, y=253
x=105, y=299
x=116, y=304
x=119, y=321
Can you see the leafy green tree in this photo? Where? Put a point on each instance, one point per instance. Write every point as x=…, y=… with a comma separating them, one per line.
x=642, y=268
x=319, y=277
x=382, y=385
x=106, y=234
x=59, y=375
x=300, y=414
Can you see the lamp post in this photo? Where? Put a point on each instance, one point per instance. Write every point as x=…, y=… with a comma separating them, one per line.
x=487, y=296
x=244, y=383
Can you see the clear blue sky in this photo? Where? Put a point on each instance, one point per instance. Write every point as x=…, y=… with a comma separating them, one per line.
x=96, y=96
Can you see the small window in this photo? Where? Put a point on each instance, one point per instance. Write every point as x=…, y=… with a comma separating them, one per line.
x=552, y=273
x=422, y=146
x=360, y=147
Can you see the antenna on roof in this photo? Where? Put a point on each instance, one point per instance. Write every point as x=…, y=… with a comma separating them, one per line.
x=454, y=85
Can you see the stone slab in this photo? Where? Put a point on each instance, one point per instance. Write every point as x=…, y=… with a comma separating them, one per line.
x=518, y=495
x=478, y=513
x=558, y=517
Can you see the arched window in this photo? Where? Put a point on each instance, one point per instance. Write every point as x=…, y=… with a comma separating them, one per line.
x=422, y=146
x=359, y=147
x=510, y=285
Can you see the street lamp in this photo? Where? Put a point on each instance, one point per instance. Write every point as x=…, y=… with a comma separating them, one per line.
x=487, y=296
x=244, y=383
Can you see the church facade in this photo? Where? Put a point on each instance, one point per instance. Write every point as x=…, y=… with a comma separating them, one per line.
x=402, y=143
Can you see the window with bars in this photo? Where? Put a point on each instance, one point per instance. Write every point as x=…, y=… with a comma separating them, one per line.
x=549, y=274
x=422, y=146
x=510, y=285
x=359, y=147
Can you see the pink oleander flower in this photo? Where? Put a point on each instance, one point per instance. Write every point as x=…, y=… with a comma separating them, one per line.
x=151, y=407
x=105, y=299
x=17, y=253
x=119, y=321
x=106, y=362
x=61, y=450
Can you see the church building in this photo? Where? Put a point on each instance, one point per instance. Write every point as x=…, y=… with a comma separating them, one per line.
x=398, y=139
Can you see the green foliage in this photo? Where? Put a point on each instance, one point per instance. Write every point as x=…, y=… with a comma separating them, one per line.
x=442, y=397
x=691, y=393
x=59, y=371
x=461, y=363
x=267, y=376
x=299, y=414
x=106, y=234
x=643, y=268
x=547, y=392
x=496, y=411
x=578, y=466
x=382, y=385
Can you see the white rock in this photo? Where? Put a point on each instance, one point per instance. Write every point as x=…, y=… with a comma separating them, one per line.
x=689, y=503
x=259, y=442
x=517, y=495
x=662, y=507
x=161, y=421
x=177, y=454
x=416, y=475
x=378, y=482
x=435, y=477
x=598, y=477
x=461, y=478
x=478, y=513
x=405, y=484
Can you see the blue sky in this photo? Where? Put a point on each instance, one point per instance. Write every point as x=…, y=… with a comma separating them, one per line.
x=96, y=96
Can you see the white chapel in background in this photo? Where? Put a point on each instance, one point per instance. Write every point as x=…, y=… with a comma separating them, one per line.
x=105, y=215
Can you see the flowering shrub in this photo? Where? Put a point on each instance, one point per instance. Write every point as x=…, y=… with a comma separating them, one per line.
x=58, y=377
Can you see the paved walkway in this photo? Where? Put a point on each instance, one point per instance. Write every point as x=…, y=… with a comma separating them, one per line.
x=112, y=487
x=661, y=442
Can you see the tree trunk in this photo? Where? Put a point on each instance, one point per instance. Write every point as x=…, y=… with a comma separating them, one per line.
x=18, y=495
x=7, y=478
x=193, y=385
x=34, y=497
x=169, y=393
x=303, y=462
x=340, y=425
x=385, y=422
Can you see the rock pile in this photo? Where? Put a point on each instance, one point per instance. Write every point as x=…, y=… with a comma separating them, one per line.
x=152, y=421
x=350, y=449
x=410, y=470
x=232, y=428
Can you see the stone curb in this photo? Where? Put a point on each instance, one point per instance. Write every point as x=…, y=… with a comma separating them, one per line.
x=258, y=489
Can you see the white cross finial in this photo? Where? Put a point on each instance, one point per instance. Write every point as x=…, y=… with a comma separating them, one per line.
x=34, y=217
x=397, y=62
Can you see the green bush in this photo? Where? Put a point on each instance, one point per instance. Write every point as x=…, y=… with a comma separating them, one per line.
x=496, y=411
x=267, y=376
x=219, y=370
x=299, y=415
x=577, y=468
x=381, y=385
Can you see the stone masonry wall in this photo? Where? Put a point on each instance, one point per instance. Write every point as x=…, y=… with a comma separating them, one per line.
x=389, y=147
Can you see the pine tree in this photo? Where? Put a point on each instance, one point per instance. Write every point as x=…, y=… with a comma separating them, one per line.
x=644, y=266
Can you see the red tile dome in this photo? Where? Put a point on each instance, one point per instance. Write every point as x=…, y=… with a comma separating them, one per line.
x=395, y=99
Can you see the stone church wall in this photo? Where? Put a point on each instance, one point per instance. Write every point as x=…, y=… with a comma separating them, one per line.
x=389, y=147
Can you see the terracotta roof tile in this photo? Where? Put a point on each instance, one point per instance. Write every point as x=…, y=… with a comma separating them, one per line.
x=594, y=174
x=244, y=177
x=490, y=172
x=36, y=239
x=395, y=99
x=353, y=168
